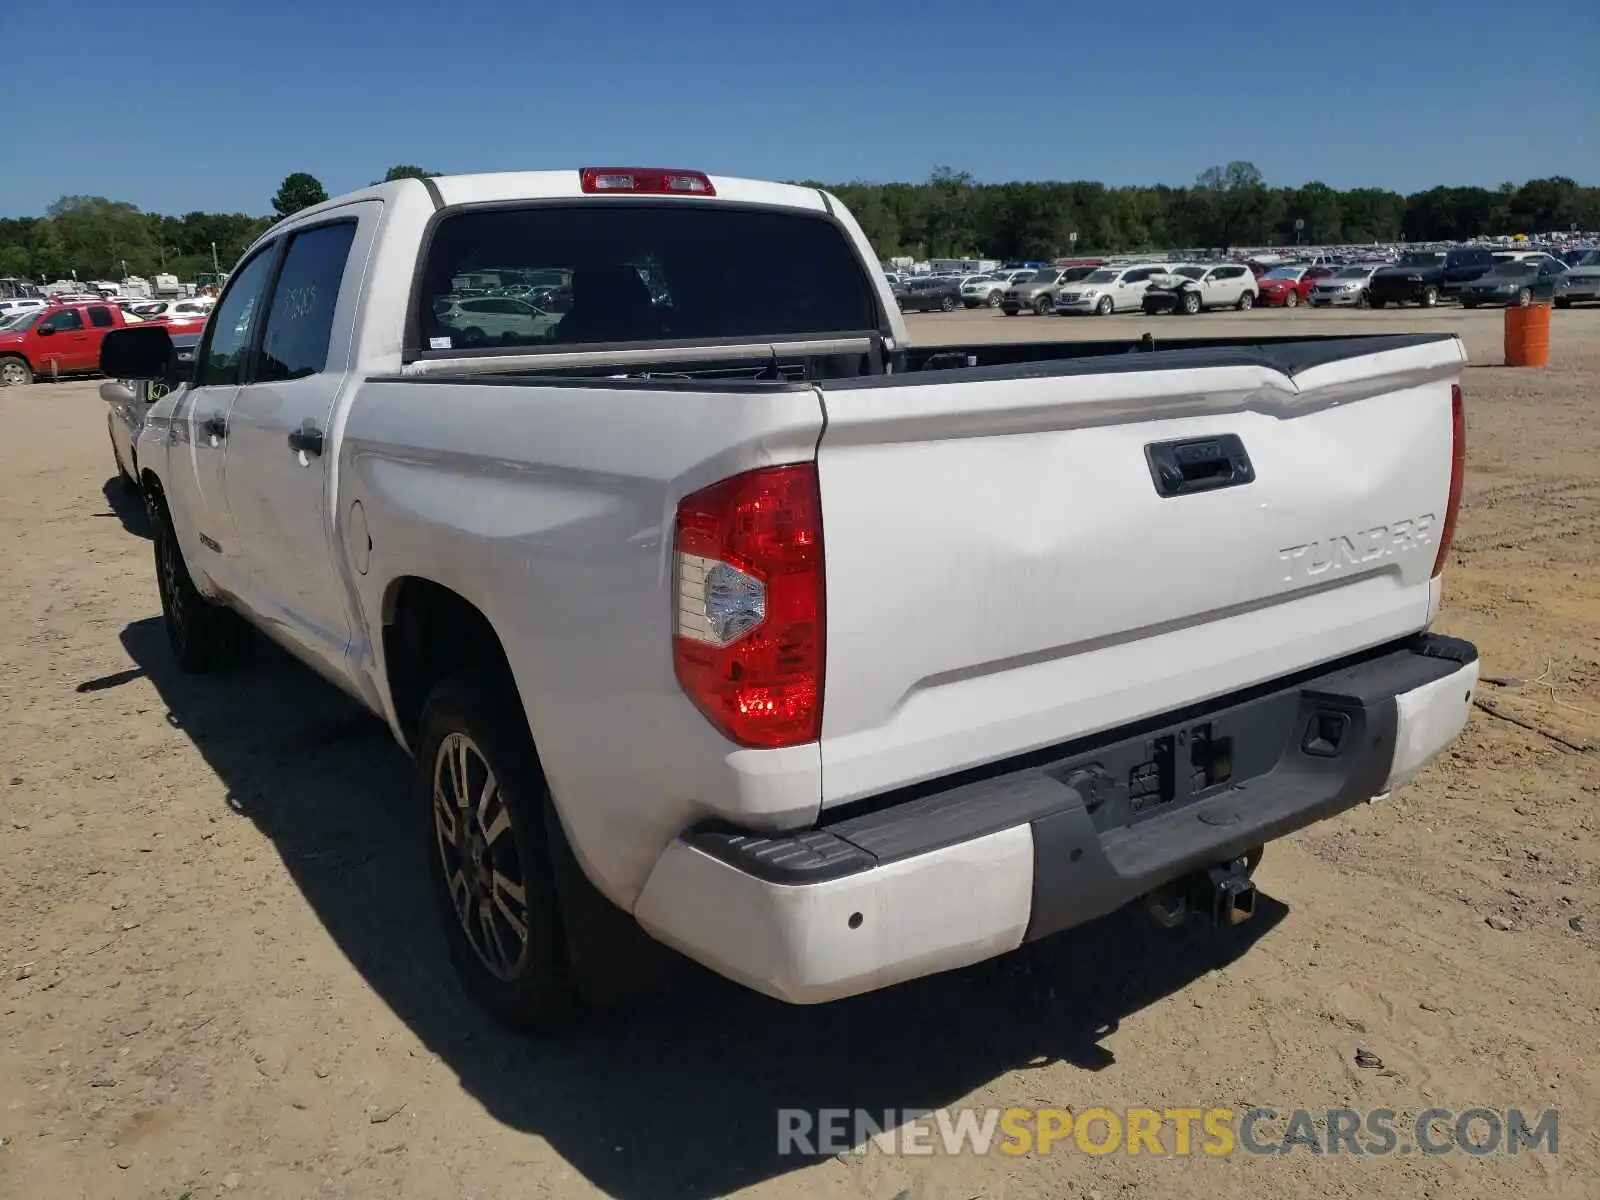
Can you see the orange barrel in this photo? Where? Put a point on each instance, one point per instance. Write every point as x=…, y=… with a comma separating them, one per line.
x=1528, y=336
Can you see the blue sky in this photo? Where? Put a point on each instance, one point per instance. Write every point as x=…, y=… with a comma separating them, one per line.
x=207, y=104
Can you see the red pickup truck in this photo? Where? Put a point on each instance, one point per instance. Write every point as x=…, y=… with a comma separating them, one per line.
x=63, y=339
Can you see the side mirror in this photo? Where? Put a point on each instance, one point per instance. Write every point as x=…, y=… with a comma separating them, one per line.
x=114, y=392
x=138, y=352
x=45, y=329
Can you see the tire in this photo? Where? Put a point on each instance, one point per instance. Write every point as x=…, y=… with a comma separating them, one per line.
x=473, y=336
x=1189, y=304
x=1042, y=306
x=1374, y=302
x=1469, y=304
x=14, y=371
x=204, y=637
x=1563, y=302
x=1010, y=312
x=1247, y=301
x=1524, y=298
x=1291, y=299
x=482, y=851
x=1105, y=307
x=1363, y=301
x=948, y=304
x=1430, y=296
x=994, y=300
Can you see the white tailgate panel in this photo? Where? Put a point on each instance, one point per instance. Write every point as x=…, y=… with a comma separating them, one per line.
x=1002, y=575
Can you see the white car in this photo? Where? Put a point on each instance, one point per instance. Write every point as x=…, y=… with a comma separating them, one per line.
x=22, y=304
x=985, y=291
x=1108, y=290
x=749, y=627
x=1195, y=287
x=1346, y=286
x=484, y=320
x=190, y=309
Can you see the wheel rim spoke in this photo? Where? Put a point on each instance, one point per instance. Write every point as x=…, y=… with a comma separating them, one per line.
x=461, y=895
x=487, y=797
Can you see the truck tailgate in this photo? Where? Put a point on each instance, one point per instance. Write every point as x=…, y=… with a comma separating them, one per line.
x=1004, y=573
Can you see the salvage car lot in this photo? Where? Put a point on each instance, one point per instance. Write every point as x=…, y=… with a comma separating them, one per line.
x=220, y=971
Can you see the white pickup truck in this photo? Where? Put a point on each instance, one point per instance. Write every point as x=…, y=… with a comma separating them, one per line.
x=710, y=607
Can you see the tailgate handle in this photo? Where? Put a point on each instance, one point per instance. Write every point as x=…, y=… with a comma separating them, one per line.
x=1198, y=464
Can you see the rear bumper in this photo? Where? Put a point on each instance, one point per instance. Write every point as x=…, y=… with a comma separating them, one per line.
x=949, y=874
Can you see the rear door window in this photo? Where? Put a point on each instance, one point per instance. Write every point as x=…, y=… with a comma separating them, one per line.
x=300, y=319
x=100, y=317
x=616, y=272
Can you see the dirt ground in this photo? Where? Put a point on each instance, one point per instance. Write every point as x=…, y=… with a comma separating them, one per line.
x=219, y=973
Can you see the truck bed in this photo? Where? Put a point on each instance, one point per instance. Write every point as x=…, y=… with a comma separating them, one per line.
x=866, y=359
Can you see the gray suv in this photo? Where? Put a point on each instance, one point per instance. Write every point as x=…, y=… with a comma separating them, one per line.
x=1036, y=292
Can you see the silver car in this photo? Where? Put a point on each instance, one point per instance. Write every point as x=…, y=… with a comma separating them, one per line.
x=1581, y=282
x=1035, y=293
x=987, y=290
x=1346, y=286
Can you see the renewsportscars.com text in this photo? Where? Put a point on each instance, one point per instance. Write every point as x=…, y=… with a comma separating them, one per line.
x=1175, y=1132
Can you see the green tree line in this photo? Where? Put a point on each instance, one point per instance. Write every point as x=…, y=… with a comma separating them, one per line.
x=949, y=215
x=952, y=216
x=107, y=239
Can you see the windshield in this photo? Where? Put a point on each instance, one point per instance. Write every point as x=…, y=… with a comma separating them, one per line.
x=1514, y=268
x=24, y=321
x=1352, y=273
x=1422, y=258
x=1190, y=272
x=1103, y=277
x=1283, y=273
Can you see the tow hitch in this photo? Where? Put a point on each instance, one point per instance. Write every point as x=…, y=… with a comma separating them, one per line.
x=1225, y=891
x=1231, y=892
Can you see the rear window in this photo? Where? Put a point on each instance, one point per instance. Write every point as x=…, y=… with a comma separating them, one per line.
x=608, y=272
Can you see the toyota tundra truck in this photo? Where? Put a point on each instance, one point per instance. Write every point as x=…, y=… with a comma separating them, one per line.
x=718, y=614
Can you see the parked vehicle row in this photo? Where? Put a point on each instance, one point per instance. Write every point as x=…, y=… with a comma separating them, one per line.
x=56, y=338
x=1473, y=274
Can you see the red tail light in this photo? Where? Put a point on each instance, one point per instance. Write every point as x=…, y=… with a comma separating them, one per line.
x=748, y=638
x=645, y=181
x=1458, y=469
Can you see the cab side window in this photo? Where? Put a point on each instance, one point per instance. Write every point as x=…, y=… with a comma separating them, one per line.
x=300, y=319
x=100, y=317
x=223, y=356
x=65, y=321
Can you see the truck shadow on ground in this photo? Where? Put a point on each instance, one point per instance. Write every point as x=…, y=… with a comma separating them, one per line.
x=128, y=506
x=676, y=1096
